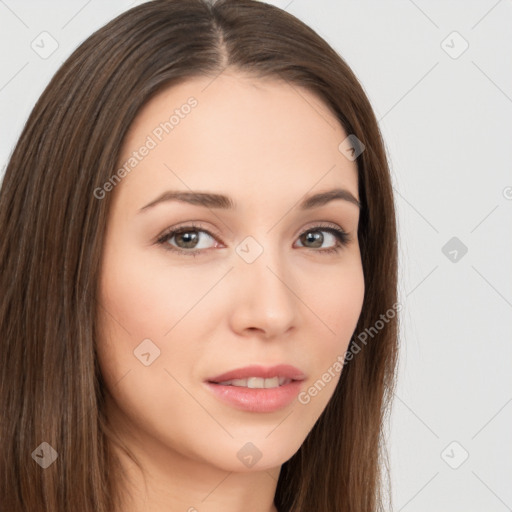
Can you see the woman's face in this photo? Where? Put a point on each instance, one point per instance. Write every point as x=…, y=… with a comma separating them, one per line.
x=254, y=278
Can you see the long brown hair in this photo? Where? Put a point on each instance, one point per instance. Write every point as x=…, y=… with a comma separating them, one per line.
x=52, y=229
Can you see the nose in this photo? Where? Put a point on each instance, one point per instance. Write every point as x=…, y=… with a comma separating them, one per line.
x=263, y=299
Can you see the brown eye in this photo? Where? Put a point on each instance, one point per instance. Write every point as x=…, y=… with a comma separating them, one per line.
x=189, y=239
x=314, y=238
x=186, y=240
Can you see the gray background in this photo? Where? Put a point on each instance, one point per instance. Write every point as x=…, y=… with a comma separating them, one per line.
x=446, y=116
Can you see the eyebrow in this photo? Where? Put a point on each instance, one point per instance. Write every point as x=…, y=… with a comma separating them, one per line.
x=211, y=200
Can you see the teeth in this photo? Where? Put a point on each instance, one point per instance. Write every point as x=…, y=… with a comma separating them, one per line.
x=257, y=382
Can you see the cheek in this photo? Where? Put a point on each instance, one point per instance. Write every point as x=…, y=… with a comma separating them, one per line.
x=344, y=308
x=337, y=300
x=146, y=299
x=137, y=304
x=143, y=298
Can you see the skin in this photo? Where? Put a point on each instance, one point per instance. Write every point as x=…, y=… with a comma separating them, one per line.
x=266, y=145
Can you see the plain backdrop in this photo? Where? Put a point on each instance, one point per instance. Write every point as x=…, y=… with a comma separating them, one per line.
x=439, y=76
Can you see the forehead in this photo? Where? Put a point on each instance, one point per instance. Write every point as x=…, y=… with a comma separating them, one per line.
x=237, y=134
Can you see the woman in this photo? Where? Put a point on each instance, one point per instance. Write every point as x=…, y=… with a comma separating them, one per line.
x=252, y=375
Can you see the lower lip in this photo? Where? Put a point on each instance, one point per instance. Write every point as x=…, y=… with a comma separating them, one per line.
x=257, y=400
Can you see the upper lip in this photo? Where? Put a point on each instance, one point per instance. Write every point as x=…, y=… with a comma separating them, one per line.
x=265, y=372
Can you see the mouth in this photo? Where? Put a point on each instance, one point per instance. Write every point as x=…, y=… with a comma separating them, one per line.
x=257, y=388
x=258, y=376
x=256, y=382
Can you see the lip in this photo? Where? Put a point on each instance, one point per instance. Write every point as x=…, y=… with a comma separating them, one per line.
x=266, y=372
x=256, y=399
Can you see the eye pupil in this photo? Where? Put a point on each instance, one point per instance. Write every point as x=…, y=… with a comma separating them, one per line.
x=315, y=236
x=190, y=237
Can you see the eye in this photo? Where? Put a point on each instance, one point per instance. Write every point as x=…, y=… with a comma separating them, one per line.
x=336, y=238
x=186, y=239
x=193, y=240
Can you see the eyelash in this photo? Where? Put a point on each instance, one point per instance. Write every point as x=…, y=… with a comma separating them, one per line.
x=342, y=238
